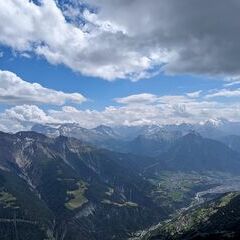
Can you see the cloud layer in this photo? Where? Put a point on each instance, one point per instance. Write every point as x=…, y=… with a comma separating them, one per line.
x=137, y=109
x=127, y=39
x=14, y=90
x=130, y=39
x=133, y=110
x=224, y=93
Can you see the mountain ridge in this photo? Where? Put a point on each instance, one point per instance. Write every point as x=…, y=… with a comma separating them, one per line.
x=79, y=184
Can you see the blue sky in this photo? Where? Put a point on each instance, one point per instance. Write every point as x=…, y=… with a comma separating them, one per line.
x=99, y=91
x=110, y=62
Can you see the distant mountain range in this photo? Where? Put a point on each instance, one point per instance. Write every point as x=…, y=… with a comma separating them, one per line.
x=192, y=152
x=96, y=135
x=147, y=140
x=176, y=147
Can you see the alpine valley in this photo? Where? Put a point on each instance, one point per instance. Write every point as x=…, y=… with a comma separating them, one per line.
x=141, y=182
x=119, y=120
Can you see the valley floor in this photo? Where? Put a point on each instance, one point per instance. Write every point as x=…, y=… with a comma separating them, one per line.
x=189, y=190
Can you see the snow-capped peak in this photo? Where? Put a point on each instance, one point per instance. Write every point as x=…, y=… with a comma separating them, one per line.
x=215, y=122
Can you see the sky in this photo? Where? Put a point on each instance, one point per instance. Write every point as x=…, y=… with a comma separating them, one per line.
x=115, y=62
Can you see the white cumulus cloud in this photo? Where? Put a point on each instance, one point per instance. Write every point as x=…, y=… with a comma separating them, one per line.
x=142, y=98
x=127, y=38
x=224, y=93
x=14, y=90
x=168, y=109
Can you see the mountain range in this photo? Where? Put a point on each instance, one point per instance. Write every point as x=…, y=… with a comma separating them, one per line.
x=73, y=185
x=146, y=140
x=68, y=182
